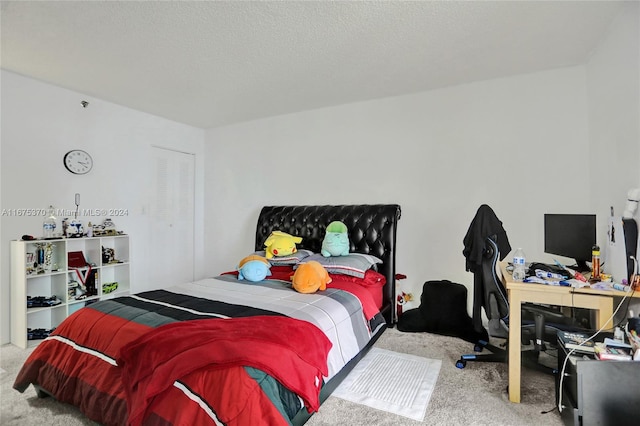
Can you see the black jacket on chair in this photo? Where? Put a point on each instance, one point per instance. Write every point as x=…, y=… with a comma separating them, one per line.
x=484, y=224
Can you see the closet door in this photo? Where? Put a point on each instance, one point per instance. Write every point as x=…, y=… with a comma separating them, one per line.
x=171, y=218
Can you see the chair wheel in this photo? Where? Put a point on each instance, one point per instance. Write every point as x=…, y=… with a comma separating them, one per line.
x=478, y=348
x=461, y=363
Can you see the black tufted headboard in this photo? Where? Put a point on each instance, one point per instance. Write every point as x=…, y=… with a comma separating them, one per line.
x=372, y=230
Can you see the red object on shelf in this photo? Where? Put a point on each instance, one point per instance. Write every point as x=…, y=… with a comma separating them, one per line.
x=75, y=259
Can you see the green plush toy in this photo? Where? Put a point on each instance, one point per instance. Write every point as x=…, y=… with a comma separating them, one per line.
x=336, y=240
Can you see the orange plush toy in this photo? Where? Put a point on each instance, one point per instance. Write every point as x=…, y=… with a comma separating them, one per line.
x=310, y=277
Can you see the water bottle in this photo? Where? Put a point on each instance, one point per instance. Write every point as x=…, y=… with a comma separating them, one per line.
x=49, y=224
x=519, y=272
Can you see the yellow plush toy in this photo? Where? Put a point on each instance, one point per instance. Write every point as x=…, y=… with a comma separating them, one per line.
x=310, y=277
x=280, y=244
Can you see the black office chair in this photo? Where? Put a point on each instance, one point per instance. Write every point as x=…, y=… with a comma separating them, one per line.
x=540, y=323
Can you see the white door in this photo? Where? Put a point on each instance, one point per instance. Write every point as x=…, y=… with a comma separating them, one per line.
x=171, y=218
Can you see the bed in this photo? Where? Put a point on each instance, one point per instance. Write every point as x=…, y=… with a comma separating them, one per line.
x=223, y=350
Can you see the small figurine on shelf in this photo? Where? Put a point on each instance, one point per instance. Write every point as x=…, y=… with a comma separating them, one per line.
x=39, y=260
x=75, y=230
x=108, y=255
x=76, y=289
x=48, y=257
x=109, y=228
x=38, y=333
x=42, y=301
x=73, y=289
x=109, y=287
x=31, y=263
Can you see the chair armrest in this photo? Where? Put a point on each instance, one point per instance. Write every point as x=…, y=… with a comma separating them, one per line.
x=541, y=315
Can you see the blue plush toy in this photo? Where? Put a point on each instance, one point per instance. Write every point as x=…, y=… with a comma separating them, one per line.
x=336, y=240
x=254, y=268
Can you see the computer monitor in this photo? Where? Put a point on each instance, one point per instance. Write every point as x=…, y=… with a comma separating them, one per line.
x=570, y=235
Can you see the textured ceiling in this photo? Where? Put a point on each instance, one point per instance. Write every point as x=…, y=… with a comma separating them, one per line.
x=210, y=63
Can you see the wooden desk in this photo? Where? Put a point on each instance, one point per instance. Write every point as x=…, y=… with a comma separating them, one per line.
x=598, y=300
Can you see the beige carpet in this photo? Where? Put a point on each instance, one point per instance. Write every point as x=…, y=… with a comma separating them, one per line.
x=475, y=395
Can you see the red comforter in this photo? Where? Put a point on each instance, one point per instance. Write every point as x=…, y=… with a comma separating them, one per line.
x=292, y=351
x=202, y=375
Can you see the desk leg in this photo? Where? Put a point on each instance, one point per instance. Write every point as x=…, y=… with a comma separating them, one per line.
x=604, y=312
x=515, y=332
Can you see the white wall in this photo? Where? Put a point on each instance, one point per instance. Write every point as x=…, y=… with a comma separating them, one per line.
x=563, y=141
x=439, y=154
x=614, y=120
x=613, y=74
x=40, y=123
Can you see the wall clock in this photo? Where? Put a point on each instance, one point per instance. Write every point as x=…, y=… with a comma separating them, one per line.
x=78, y=162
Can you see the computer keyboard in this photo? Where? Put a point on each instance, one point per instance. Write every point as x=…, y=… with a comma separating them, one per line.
x=546, y=267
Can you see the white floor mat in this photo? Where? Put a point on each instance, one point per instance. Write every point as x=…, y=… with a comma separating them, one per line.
x=390, y=381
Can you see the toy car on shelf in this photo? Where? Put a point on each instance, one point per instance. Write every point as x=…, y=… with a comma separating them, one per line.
x=109, y=287
x=38, y=333
x=42, y=301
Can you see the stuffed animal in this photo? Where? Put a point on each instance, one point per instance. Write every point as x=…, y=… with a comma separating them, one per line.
x=310, y=277
x=336, y=240
x=254, y=268
x=402, y=300
x=281, y=244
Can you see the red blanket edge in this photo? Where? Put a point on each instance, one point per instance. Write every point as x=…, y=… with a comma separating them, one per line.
x=292, y=351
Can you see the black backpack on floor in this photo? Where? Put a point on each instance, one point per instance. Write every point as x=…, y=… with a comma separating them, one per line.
x=442, y=310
